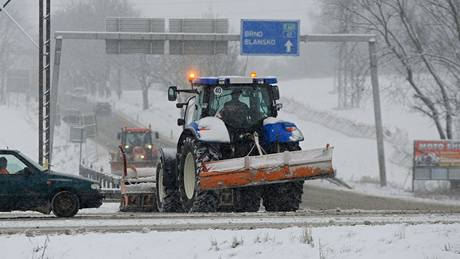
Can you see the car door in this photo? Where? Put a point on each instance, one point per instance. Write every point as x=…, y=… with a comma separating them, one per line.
x=26, y=187
x=4, y=190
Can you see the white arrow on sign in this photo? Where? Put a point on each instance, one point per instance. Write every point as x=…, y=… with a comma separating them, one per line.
x=288, y=46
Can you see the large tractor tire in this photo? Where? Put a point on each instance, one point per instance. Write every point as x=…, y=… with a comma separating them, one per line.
x=283, y=196
x=192, y=198
x=167, y=193
x=246, y=199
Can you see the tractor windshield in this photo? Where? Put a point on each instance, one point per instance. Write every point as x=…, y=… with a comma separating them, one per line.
x=138, y=139
x=240, y=106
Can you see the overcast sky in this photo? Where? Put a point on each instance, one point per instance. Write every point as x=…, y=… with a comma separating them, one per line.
x=235, y=10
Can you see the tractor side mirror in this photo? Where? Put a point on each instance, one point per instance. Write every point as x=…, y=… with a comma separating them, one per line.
x=180, y=122
x=172, y=93
x=157, y=135
x=276, y=92
x=119, y=135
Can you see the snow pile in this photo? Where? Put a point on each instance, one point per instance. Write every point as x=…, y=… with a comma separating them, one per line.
x=390, y=241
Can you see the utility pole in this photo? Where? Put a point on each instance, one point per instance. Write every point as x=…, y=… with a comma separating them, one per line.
x=40, y=82
x=377, y=112
x=44, y=82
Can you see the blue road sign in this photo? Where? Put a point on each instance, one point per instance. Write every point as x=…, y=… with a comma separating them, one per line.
x=270, y=37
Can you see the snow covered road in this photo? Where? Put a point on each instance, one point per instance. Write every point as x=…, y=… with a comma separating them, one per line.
x=33, y=223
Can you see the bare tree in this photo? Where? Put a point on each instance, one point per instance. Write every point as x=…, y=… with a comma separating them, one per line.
x=420, y=42
x=351, y=68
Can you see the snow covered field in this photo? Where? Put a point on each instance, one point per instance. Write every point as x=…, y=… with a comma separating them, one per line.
x=389, y=241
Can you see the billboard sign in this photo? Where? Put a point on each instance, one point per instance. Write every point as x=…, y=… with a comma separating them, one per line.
x=436, y=160
x=438, y=153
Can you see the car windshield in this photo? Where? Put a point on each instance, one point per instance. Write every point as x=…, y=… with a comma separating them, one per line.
x=35, y=164
x=240, y=106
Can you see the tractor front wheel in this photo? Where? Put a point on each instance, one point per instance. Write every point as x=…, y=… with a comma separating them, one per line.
x=192, y=198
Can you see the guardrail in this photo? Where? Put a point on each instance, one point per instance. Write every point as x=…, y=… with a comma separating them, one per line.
x=106, y=181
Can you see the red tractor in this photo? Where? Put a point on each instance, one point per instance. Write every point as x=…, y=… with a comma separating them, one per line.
x=138, y=181
x=141, y=153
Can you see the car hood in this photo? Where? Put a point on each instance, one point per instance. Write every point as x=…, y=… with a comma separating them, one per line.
x=70, y=177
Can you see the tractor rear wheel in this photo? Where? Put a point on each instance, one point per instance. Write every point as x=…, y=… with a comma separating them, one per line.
x=284, y=196
x=246, y=199
x=168, y=196
x=193, y=199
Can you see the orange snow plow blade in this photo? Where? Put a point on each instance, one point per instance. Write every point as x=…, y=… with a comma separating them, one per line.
x=267, y=169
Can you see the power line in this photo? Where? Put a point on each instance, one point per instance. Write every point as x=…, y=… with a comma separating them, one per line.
x=4, y=5
x=16, y=23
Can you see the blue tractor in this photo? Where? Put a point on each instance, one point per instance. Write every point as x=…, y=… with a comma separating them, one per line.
x=234, y=152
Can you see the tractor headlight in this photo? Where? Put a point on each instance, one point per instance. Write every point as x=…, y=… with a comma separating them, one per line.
x=95, y=186
x=296, y=134
x=127, y=146
x=149, y=146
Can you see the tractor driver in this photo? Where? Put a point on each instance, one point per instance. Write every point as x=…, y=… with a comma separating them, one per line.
x=235, y=113
x=135, y=140
x=3, y=163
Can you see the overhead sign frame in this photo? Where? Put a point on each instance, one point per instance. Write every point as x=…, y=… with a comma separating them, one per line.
x=270, y=37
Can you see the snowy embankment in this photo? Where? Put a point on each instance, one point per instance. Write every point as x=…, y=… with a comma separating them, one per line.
x=20, y=132
x=390, y=241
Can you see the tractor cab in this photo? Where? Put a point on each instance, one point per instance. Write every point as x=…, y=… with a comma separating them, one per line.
x=242, y=103
x=138, y=144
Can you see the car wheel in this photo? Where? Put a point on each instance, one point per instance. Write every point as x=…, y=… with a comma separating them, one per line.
x=65, y=204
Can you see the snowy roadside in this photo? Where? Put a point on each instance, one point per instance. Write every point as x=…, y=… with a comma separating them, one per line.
x=389, y=241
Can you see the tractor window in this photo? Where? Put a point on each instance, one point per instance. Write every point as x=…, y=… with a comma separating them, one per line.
x=138, y=139
x=256, y=98
x=191, y=110
x=199, y=106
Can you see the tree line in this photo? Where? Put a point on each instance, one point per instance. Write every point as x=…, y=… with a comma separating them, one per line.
x=419, y=41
